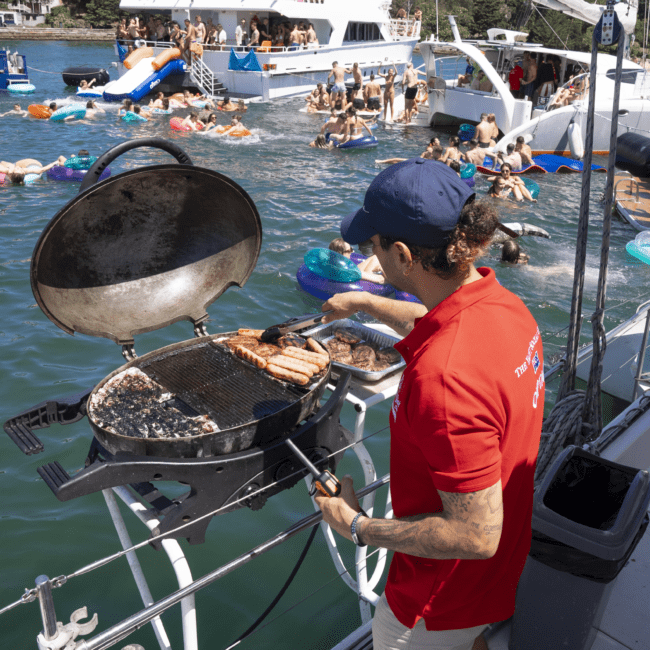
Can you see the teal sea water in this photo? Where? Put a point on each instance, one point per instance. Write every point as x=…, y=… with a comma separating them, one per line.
x=301, y=195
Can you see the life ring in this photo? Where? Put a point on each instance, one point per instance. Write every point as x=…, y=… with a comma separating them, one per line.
x=79, y=162
x=532, y=186
x=136, y=56
x=467, y=170
x=176, y=123
x=324, y=289
x=66, y=174
x=95, y=91
x=165, y=57
x=78, y=111
x=161, y=111
x=130, y=116
x=39, y=111
x=367, y=142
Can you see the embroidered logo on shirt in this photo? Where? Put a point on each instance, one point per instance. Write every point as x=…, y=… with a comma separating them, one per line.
x=536, y=362
x=396, y=401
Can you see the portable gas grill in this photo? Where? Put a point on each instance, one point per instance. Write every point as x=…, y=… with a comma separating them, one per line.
x=140, y=251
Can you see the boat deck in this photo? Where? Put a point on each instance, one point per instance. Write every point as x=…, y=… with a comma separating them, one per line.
x=632, y=200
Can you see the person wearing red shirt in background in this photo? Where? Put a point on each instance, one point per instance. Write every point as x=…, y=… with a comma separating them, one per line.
x=466, y=420
x=515, y=77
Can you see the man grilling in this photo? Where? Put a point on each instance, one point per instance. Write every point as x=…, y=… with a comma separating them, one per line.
x=466, y=420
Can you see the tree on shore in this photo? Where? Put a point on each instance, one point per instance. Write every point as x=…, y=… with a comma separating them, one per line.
x=102, y=13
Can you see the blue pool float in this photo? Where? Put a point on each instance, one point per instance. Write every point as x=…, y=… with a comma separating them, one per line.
x=78, y=111
x=130, y=116
x=161, y=111
x=68, y=174
x=466, y=132
x=80, y=162
x=331, y=265
x=367, y=142
x=532, y=186
x=640, y=247
x=324, y=289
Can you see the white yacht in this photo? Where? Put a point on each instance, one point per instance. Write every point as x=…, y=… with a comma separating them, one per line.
x=361, y=32
x=546, y=127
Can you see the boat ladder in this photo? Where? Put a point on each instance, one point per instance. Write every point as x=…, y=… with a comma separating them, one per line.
x=202, y=76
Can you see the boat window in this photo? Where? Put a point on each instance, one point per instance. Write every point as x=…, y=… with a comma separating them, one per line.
x=362, y=32
x=627, y=76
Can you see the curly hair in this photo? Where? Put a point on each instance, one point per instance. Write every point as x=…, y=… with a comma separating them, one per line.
x=476, y=225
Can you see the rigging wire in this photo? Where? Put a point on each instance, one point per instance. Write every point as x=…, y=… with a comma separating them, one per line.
x=110, y=558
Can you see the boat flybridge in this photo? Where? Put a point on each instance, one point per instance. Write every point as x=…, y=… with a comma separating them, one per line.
x=360, y=32
x=547, y=126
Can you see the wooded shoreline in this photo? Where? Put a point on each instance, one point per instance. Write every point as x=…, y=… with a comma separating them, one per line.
x=20, y=33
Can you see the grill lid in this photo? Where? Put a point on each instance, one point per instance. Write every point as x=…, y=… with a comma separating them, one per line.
x=145, y=249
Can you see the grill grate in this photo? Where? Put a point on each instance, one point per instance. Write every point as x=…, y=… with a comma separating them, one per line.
x=214, y=382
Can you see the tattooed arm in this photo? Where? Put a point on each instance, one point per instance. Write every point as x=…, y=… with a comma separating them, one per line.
x=397, y=314
x=468, y=528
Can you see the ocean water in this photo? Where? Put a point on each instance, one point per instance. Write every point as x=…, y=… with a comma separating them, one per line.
x=301, y=194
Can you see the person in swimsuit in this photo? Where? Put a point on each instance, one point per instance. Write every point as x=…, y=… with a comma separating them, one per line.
x=389, y=91
x=452, y=152
x=190, y=37
x=235, y=126
x=92, y=109
x=226, y=105
x=355, y=126
x=127, y=105
x=483, y=132
x=17, y=171
x=158, y=102
x=511, y=253
x=518, y=187
x=372, y=94
x=191, y=121
x=499, y=188
x=16, y=111
x=524, y=151
x=85, y=85
x=199, y=27
x=410, y=87
x=475, y=155
x=211, y=123
x=337, y=130
x=338, y=88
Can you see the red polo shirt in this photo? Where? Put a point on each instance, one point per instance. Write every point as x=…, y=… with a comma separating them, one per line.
x=515, y=77
x=468, y=412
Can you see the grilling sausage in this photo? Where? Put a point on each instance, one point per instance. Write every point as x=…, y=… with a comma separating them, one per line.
x=319, y=359
x=287, y=375
x=249, y=356
x=295, y=365
x=256, y=334
x=316, y=347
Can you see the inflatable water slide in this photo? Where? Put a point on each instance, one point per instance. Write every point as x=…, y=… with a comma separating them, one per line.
x=144, y=72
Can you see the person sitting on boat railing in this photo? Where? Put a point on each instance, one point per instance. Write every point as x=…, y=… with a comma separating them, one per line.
x=16, y=110
x=474, y=155
x=466, y=421
x=389, y=90
x=524, y=151
x=466, y=78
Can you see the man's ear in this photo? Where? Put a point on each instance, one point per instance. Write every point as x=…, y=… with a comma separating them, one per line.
x=404, y=254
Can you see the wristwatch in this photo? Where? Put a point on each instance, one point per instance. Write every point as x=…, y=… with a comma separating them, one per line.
x=353, y=528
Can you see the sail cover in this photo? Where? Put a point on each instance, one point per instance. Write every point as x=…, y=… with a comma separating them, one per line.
x=590, y=13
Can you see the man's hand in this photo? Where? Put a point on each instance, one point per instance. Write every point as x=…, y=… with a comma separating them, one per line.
x=343, y=304
x=339, y=512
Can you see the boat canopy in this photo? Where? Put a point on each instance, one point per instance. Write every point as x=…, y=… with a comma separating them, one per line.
x=591, y=13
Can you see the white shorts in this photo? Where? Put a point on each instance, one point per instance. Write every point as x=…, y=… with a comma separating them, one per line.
x=389, y=634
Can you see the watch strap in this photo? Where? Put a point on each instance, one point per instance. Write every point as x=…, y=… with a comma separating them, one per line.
x=353, y=528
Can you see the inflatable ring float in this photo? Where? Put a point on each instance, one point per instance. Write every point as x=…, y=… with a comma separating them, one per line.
x=161, y=111
x=21, y=89
x=39, y=111
x=176, y=123
x=466, y=132
x=80, y=162
x=640, y=247
x=367, y=142
x=78, y=111
x=323, y=289
x=67, y=174
x=130, y=116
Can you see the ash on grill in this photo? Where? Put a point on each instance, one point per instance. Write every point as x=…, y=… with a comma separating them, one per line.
x=132, y=404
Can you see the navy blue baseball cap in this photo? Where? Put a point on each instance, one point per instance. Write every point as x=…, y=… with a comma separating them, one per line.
x=417, y=201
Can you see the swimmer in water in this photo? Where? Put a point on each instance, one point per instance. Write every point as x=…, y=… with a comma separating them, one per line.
x=226, y=104
x=499, y=189
x=138, y=110
x=235, y=126
x=17, y=171
x=16, y=111
x=211, y=123
x=127, y=105
x=518, y=187
x=321, y=142
x=191, y=121
x=241, y=106
x=370, y=268
x=452, y=152
x=86, y=85
x=158, y=102
x=511, y=253
x=355, y=126
x=92, y=109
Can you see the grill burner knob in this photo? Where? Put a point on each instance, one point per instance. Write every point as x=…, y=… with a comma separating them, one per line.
x=256, y=502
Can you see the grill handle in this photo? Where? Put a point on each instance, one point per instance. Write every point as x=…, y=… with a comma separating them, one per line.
x=93, y=174
x=64, y=410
